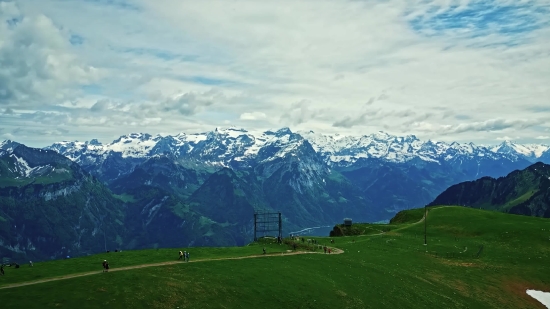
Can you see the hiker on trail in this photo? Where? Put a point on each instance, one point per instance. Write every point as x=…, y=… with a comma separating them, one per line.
x=325, y=248
x=264, y=250
x=30, y=263
x=329, y=250
x=187, y=256
x=181, y=255
x=104, y=265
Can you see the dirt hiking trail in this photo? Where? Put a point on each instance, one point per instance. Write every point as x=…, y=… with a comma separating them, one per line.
x=405, y=226
x=15, y=285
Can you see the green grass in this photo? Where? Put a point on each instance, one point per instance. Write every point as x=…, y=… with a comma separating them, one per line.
x=49, y=269
x=408, y=216
x=519, y=200
x=401, y=220
x=390, y=270
x=43, y=180
x=126, y=198
x=11, y=182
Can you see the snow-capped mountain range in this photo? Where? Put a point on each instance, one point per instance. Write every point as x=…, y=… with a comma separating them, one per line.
x=226, y=147
x=313, y=178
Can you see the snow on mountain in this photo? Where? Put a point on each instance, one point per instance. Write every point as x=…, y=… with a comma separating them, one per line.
x=7, y=146
x=529, y=151
x=134, y=145
x=22, y=163
x=271, y=145
x=22, y=168
x=348, y=149
x=237, y=146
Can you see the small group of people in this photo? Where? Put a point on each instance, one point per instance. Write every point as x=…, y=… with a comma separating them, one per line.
x=105, y=266
x=15, y=265
x=309, y=241
x=184, y=255
x=327, y=249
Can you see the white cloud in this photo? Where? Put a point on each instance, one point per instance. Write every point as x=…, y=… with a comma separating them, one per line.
x=542, y=137
x=506, y=138
x=35, y=64
x=252, y=116
x=332, y=66
x=8, y=136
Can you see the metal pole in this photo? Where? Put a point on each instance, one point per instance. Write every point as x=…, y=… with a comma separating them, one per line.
x=280, y=228
x=255, y=238
x=425, y=223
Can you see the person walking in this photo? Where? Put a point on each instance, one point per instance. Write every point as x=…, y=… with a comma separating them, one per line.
x=325, y=248
x=181, y=255
x=104, y=265
x=2, y=269
x=187, y=256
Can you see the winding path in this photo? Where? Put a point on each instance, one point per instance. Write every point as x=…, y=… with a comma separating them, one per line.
x=15, y=285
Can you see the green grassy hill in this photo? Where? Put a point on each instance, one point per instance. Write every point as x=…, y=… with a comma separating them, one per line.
x=522, y=192
x=474, y=259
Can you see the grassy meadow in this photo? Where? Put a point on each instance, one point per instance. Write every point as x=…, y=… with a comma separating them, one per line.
x=474, y=259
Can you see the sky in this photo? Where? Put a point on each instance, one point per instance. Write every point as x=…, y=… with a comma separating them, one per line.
x=466, y=71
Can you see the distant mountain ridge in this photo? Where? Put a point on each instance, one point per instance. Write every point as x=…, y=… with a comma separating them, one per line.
x=224, y=147
x=207, y=185
x=393, y=172
x=50, y=208
x=524, y=192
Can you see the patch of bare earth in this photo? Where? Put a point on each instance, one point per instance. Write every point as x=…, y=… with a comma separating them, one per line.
x=518, y=288
x=460, y=264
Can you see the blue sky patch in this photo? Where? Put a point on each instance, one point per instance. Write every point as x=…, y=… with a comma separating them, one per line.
x=481, y=18
x=208, y=81
x=12, y=22
x=76, y=39
x=91, y=89
x=162, y=54
x=121, y=4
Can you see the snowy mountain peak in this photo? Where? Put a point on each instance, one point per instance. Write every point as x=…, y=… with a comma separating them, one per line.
x=530, y=151
x=229, y=146
x=232, y=132
x=8, y=146
x=94, y=142
x=380, y=135
x=283, y=131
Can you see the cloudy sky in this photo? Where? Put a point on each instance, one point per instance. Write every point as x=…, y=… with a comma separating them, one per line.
x=446, y=70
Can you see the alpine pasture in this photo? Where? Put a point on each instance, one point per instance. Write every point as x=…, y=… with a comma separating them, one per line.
x=473, y=259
